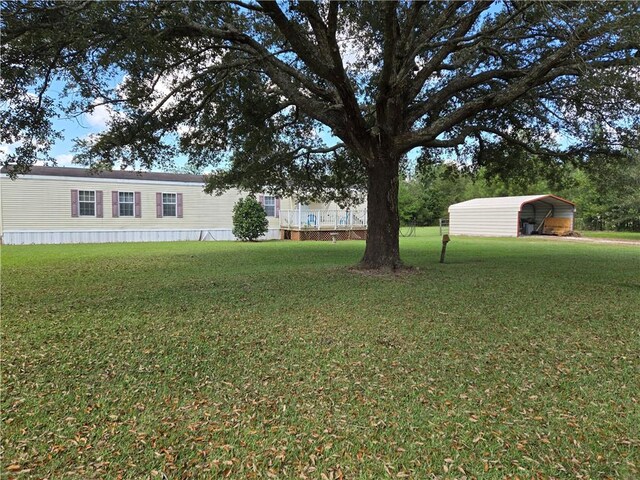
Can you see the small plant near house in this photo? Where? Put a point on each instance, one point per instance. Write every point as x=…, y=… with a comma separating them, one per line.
x=249, y=219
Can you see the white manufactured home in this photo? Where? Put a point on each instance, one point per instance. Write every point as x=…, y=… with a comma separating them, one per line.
x=75, y=205
x=512, y=216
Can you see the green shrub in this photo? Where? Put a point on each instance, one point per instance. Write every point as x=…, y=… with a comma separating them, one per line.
x=249, y=219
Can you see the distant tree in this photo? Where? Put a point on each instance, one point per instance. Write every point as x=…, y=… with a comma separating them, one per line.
x=425, y=198
x=607, y=193
x=188, y=168
x=249, y=219
x=412, y=206
x=252, y=85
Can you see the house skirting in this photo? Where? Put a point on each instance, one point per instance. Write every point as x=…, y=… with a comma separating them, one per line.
x=120, y=236
x=323, y=235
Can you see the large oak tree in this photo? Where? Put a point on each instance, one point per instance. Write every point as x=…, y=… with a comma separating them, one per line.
x=261, y=89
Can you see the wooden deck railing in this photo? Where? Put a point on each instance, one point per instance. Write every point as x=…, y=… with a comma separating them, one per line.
x=323, y=219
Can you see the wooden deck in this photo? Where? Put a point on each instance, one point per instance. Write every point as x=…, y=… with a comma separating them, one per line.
x=323, y=225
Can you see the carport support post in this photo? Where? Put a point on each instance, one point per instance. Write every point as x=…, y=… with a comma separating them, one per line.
x=445, y=240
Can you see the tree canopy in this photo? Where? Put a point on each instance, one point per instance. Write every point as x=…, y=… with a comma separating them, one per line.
x=322, y=99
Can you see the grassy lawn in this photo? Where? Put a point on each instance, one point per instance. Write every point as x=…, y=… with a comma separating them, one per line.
x=613, y=235
x=516, y=358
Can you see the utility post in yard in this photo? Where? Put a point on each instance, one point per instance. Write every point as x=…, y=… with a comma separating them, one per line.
x=445, y=240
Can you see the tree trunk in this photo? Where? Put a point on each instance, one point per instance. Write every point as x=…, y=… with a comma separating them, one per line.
x=383, y=249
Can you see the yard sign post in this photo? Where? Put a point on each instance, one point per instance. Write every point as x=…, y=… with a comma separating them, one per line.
x=445, y=240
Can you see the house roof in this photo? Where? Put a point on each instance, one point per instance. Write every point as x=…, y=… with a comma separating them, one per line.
x=118, y=174
x=508, y=202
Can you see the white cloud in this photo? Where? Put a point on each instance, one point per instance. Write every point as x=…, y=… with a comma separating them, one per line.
x=65, y=160
x=184, y=130
x=4, y=149
x=100, y=116
x=8, y=148
x=62, y=160
x=354, y=54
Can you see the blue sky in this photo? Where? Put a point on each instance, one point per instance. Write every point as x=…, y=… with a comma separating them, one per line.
x=82, y=126
x=71, y=128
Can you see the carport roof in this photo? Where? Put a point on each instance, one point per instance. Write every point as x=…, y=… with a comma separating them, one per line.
x=508, y=202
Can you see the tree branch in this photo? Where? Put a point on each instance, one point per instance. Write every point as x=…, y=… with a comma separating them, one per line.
x=460, y=84
x=466, y=24
x=314, y=151
x=248, y=6
x=544, y=71
x=571, y=152
x=385, y=118
x=297, y=39
x=351, y=124
x=279, y=72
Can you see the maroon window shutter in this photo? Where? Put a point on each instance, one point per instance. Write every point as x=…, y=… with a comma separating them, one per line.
x=179, y=206
x=115, y=210
x=138, y=204
x=277, y=207
x=261, y=200
x=74, y=203
x=159, y=205
x=99, y=204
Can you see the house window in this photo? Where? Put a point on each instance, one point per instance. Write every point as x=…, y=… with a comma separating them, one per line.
x=270, y=206
x=125, y=204
x=87, y=203
x=169, y=205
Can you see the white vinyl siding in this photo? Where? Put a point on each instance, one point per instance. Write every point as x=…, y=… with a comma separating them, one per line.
x=48, y=208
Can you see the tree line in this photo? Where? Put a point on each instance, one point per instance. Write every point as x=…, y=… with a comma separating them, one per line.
x=606, y=192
